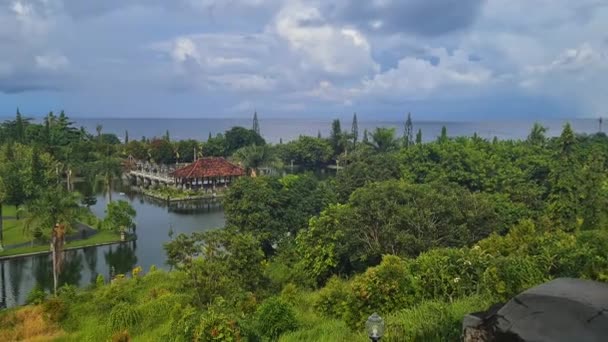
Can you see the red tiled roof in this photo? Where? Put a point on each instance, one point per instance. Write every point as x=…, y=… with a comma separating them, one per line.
x=209, y=167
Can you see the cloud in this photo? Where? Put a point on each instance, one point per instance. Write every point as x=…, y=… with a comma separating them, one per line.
x=51, y=62
x=578, y=73
x=300, y=56
x=332, y=49
x=420, y=17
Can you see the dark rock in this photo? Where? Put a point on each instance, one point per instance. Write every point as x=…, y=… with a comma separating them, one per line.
x=564, y=309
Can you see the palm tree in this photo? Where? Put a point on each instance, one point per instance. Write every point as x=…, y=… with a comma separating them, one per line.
x=98, y=128
x=57, y=210
x=2, y=199
x=253, y=157
x=383, y=139
x=108, y=167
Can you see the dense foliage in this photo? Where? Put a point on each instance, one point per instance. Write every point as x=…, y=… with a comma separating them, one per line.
x=421, y=233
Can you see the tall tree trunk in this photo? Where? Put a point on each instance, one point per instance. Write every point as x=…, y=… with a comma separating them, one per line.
x=57, y=241
x=3, y=295
x=109, y=187
x=1, y=227
x=69, y=179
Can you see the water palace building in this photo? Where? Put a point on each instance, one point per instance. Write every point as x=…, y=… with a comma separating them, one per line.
x=207, y=174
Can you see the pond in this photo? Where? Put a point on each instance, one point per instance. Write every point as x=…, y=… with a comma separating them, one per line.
x=154, y=222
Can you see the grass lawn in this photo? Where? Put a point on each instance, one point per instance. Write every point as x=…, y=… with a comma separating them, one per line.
x=13, y=232
x=8, y=210
x=101, y=237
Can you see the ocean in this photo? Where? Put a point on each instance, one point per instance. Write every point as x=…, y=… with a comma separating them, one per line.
x=275, y=130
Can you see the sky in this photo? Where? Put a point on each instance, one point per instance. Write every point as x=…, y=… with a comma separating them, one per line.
x=438, y=59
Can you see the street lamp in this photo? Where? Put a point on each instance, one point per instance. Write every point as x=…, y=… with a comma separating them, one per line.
x=375, y=327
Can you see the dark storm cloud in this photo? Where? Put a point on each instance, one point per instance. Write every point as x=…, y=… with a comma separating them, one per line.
x=421, y=17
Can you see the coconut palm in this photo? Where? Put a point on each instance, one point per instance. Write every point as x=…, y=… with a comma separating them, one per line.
x=253, y=157
x=2, y=199
x=54, y=213
x=108, y=168
x=383, y=139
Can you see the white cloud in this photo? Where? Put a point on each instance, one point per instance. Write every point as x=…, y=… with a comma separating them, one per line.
x=184, y=49
x=336, y=50
x=580, y=74
x=418, y=78
x=51, y=62
x=244, y=82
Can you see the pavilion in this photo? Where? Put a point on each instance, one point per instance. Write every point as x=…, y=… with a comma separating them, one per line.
x=207, y=174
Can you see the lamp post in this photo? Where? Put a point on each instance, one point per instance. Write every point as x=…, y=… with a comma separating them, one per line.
x=374, y=327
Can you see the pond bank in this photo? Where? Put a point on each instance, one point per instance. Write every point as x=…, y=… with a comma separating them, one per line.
x=75, y=246
x=92, y=237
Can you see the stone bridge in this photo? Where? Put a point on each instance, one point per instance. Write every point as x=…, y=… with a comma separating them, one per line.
x=146, y=174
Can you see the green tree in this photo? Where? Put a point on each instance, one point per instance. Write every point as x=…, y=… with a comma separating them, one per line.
x=365, y=137
x=419, y=137
x=54, y=206
x=2, y=199
x=20, y=124
x=383, y=139
x=222, y=262
x=137, y=150
x=254, y=157
x=336, y=137
x=256, y=124
x=98, y=129
x=120, y=216
x=537, y=135
x=108, y=168
x=238, y=137
x=567, y=141
x=126, y=137
x=444, y=135
x=215, y=146
x=355, y=130
x=408, y=132
x=307, y=151
x=186, y=149
x=162, y=151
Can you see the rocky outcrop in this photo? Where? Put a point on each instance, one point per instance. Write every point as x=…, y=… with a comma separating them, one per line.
x=564, y=309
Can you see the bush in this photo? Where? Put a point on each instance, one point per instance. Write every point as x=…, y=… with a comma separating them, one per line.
x=432, y=320
x=214, y=326
x=100, y=281
x=124, y=316
x=508, y=276
x=385, y=288
x=275, y=317
x=121, y=336
x=67, y=292
x=333, y=298
x=36, y=296
x=56, y=309
x=290, y=293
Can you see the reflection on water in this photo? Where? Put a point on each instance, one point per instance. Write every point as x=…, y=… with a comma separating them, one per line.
x=154, y=222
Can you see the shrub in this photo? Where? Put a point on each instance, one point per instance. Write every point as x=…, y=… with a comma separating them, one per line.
x=56, y=309
x=99, y=281
x=214, y=326
x=67, y=292
x=432, y=320
x=36, y=296
x=385, y=288
x=121, y=336
x=275, y=317
x=290, y=293
x=124, y=316
x=508, y=276
x=333, y=298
